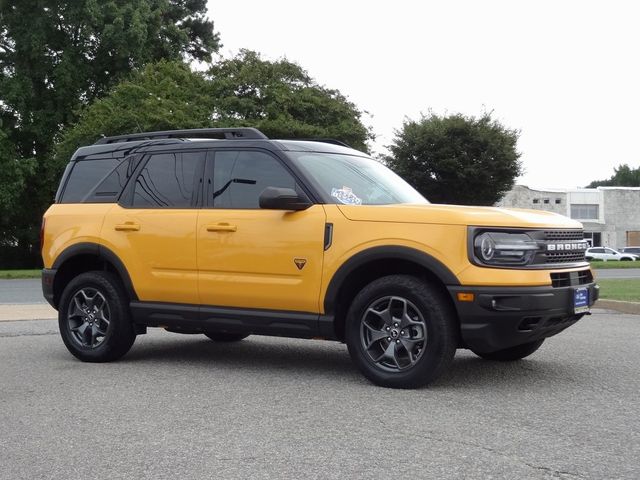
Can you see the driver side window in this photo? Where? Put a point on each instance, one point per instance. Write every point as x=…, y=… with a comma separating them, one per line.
x=239, y=177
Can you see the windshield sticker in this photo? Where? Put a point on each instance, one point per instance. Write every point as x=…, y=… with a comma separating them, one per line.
x=345, y=195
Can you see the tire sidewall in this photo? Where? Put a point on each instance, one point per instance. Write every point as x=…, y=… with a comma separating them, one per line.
x=120, y=329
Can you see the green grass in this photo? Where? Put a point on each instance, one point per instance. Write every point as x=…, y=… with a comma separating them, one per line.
x=598, y=264
x=620, y=289
x=12, y=274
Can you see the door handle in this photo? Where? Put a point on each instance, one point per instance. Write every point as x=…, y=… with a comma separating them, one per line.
x=127, y=227
x=221, y=227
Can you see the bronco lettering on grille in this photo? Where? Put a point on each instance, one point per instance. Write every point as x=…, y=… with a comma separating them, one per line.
x=567, y=246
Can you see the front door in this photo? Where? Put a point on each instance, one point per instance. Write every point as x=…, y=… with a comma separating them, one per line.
x=250, y=257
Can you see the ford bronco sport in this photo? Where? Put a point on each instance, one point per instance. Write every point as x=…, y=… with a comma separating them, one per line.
x=227, y=233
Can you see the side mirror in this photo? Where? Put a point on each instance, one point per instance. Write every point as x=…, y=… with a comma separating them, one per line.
x=274, y=198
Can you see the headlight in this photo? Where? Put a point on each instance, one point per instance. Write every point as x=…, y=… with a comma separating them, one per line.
x=504, y=248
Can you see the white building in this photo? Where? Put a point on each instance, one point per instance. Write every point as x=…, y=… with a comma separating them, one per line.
x=610, y=215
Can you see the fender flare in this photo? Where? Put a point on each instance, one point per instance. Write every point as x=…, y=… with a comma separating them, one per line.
x=100, y=251
x=435, y=266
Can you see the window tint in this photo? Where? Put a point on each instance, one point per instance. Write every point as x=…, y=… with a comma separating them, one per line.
x=239, y=177
x=109, y=189
x=167, y=180
x=597, y=250
x=84, y=176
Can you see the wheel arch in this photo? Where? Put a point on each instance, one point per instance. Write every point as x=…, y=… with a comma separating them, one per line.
x=376, y=262
x=85, y=257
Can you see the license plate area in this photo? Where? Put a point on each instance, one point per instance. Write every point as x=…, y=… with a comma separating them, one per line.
x=581, y=300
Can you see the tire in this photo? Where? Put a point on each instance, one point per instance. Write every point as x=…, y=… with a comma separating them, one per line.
x=226, y=337
x=425, y=332
x=625, y=259
x=511, y=354
x=94, y=318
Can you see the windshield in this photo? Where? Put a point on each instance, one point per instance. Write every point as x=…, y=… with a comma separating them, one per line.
x=351, y=180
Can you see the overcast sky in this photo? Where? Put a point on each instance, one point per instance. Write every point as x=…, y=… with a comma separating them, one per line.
x=565, y=73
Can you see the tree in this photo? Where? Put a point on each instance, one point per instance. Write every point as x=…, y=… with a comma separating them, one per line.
x=12, y=181
x=278, y=97
x=57, y=56
x=457, y=159
x=162, y=96
x=283, y=101
x=624, y=176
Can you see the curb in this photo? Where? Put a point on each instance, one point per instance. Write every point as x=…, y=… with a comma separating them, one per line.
x=619, y=306
x=40, y=311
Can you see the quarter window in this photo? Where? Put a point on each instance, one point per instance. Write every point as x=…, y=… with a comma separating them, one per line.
x=109, y=189
x=239, y=177
x=84, y=176
x=167, y=181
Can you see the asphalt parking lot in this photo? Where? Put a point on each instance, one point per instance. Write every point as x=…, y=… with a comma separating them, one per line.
x=186, y=407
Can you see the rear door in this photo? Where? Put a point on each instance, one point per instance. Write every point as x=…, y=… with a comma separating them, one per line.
x=153, y=228
x=250, y=257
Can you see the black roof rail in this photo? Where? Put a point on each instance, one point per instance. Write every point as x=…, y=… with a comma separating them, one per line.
x=332, y=141
x=240, y=133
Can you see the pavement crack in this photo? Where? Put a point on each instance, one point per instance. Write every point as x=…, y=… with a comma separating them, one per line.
x=553, y=471
x=561, y=474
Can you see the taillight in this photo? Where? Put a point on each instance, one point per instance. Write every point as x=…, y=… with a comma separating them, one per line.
x=42, y=234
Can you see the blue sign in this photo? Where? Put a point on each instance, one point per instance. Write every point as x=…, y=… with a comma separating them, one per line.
x=581, y=300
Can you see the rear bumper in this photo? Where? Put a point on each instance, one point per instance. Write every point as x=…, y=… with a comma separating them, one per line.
x=48, y=275
x=503, y=317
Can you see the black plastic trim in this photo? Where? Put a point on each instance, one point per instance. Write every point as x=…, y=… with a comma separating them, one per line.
x=194, y=318
x=48, y=276
x=385, y=253
x=503, y=317
x=100, y=251
x=328, y=236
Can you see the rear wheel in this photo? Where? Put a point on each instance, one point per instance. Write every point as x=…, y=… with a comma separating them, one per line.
x=401, y=332
x=511, y=354
x=94, y=319
x=225, y=337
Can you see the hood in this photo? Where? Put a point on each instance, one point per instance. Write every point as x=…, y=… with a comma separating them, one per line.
x=457, y=215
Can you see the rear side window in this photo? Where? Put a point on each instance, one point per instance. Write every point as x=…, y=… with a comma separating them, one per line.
x=84, y=176
x=168, y=180
x=109, y=189
x=239, y=177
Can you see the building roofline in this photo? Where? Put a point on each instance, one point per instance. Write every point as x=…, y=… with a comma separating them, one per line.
x=575, y=190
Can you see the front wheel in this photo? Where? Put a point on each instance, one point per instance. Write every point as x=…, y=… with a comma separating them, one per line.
x=401, y=332
x=94, y=319
x=511, y=354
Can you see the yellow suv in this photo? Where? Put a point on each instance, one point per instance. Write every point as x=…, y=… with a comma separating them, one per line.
x=227, y=233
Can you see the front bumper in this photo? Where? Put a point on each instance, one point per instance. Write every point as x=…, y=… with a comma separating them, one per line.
x=503, y=317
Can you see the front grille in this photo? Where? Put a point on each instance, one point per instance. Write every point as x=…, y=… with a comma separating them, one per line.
x=571, y=279
x=565, y=257
x=562, y=235
x=564, y=243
